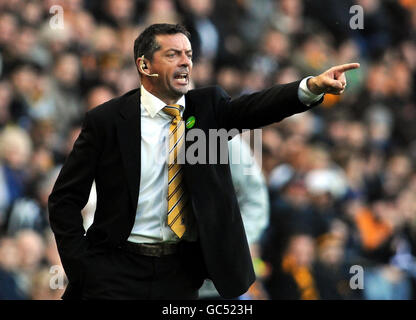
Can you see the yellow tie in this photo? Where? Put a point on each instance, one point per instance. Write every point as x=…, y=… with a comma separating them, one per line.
x=177, y=197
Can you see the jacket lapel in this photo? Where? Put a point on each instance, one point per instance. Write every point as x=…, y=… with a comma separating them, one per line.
x=129, y=137
x=189, y=111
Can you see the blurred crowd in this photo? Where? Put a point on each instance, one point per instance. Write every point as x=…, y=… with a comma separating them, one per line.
x=341, y=177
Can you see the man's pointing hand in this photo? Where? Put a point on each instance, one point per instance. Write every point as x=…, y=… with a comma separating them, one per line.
x=331, y=81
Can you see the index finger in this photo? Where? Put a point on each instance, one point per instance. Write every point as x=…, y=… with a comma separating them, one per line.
x=346, y=67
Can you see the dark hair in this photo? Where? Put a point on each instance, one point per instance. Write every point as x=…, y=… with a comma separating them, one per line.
x=146, y=44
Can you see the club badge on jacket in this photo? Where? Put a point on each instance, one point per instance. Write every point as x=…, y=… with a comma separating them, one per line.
x=190, y=122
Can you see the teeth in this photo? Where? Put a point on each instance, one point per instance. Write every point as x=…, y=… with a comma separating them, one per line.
x=182, y=76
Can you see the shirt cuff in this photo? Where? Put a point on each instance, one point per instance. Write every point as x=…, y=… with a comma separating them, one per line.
x=305, y=95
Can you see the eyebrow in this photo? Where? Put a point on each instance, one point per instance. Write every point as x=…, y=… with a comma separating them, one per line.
x=177, y=50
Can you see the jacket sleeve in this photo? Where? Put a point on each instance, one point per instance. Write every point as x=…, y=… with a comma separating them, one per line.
x=69, y=196
x=260, y=108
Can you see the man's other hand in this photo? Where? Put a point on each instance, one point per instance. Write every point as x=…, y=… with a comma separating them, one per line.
x=331, y=81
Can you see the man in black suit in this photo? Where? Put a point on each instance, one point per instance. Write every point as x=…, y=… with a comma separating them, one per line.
x=160, y=228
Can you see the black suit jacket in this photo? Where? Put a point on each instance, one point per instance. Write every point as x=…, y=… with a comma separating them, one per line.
x=108, y=151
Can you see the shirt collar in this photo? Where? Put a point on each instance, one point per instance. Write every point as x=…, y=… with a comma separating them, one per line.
x=153, y=104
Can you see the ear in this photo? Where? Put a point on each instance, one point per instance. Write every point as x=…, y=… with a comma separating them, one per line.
x=141, y=65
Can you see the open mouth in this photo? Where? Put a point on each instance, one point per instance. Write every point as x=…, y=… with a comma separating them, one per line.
x=182, y=78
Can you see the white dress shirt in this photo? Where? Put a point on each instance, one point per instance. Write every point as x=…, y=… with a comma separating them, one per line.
x=251, y=189
x=150, y=224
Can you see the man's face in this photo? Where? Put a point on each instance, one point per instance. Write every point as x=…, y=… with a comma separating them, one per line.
x=173, y=63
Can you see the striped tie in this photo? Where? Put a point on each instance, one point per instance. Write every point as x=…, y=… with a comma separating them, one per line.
x=177, y=198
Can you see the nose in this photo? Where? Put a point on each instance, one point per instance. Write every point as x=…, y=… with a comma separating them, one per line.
x=185, y=61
